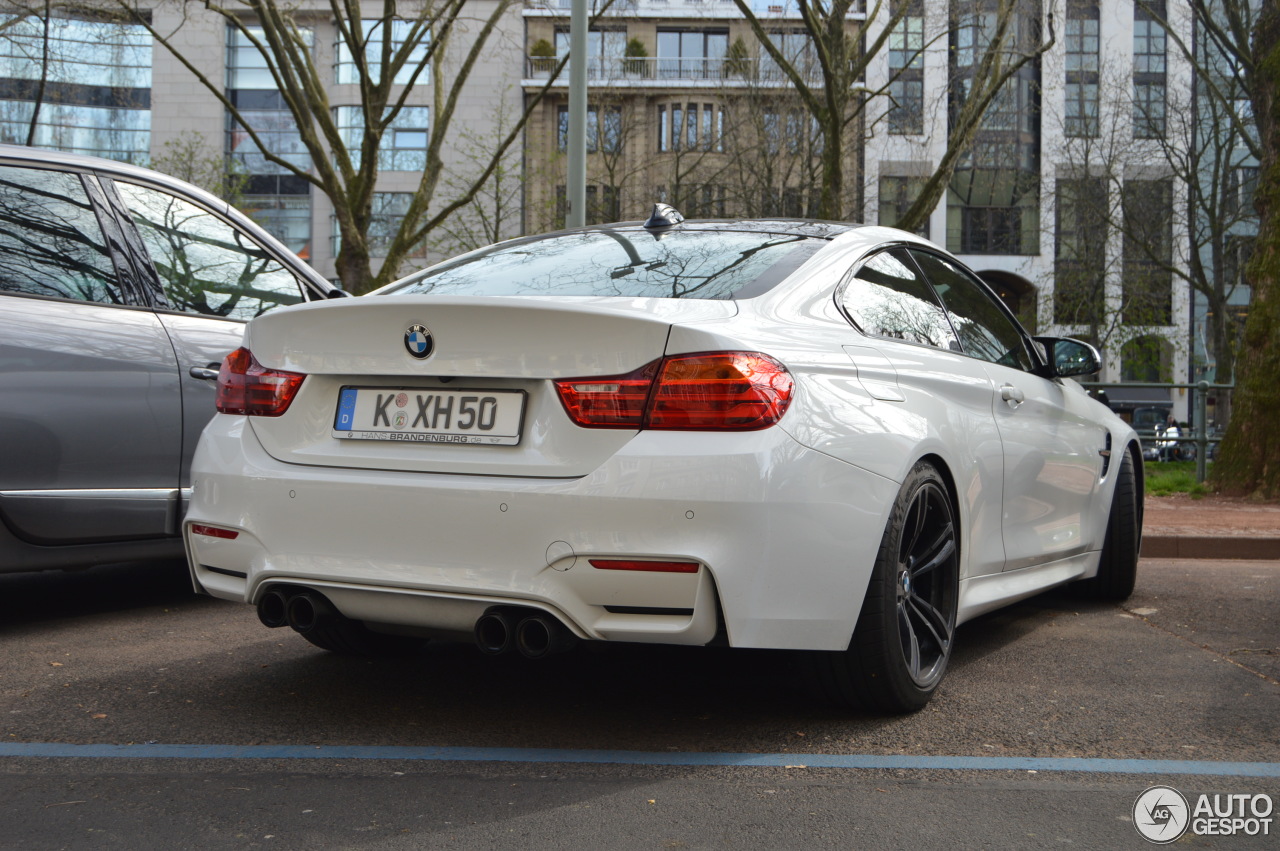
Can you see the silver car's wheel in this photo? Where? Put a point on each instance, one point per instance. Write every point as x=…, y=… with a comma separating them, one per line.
x=906, y=628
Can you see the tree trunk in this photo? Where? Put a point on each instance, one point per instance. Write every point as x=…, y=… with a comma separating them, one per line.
x=1249, y=464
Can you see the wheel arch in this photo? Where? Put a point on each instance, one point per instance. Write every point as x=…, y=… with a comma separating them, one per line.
x=1140, y=482
x=949, y=479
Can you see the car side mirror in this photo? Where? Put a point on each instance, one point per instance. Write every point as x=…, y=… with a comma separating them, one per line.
x=1068, y=357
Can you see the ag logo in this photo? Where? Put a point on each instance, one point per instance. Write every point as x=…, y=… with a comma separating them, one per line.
x=418, y=342
x=1161, y=815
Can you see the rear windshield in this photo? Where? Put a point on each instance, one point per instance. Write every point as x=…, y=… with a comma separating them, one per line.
x=632, y=263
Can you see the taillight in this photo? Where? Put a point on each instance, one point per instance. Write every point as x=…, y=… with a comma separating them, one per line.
x=247, y=387
x=716, y=391
x=617, y=402
x=647, y=566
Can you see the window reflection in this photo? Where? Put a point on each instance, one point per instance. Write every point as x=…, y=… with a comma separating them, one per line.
x=206, y=266
x=96, y=96
x=888, y=298
x=632, y=263
x=50, y=243
x=985, y=331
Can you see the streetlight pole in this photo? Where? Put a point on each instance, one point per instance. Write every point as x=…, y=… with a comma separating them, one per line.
x=576, y=184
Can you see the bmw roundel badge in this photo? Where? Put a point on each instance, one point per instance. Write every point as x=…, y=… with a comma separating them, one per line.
x=417, y=340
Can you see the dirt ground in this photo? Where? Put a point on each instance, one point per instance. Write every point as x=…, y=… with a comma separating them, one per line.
x=1210, y=515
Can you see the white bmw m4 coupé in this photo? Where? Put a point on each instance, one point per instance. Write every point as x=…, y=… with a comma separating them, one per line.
x=775, y=434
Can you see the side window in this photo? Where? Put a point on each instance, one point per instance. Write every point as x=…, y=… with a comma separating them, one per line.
x=206, y=266
x=985, y=330
x=50, y=242
x=886, y=297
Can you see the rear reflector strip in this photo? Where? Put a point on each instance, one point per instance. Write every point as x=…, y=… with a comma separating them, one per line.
x=214, y=531
x=237, y=574
x=651, y=566
x=648, y=611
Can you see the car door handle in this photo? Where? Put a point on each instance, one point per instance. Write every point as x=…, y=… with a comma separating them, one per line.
x=203, y=373
x=1012, y=395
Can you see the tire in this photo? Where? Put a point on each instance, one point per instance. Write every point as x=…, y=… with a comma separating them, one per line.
x=902, y=642
x=1118, y=565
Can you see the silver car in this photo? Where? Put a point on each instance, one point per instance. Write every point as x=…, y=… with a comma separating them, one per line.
x=121, y=291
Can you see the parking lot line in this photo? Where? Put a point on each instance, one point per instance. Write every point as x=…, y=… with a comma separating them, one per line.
x=59, y=750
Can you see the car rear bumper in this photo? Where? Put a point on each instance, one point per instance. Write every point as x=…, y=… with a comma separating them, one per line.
x=783, y=538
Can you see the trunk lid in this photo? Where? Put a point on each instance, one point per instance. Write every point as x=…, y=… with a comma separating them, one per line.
x=504, y=349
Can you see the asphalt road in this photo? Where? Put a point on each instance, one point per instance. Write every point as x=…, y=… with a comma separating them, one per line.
x=1187, y=671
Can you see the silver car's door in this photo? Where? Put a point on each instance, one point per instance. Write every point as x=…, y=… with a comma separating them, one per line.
x=211, y=278
x=1051, y=447
x=90, y=411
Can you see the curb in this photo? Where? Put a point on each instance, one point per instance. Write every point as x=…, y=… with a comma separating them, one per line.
x=1205, y=547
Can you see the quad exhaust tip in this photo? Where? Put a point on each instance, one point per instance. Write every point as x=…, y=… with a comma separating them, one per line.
x=533, y=635
x=272, y=610
x=301, y=610
x=494, y=632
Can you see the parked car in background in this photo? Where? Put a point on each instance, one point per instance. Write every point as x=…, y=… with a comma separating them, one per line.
x=121, y=291
x=773, y=434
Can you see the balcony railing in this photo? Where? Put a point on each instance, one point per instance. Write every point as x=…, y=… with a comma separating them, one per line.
x=760, y=7
x=621, y=71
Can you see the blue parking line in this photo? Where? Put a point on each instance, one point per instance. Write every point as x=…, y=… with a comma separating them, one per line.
x=602, y=757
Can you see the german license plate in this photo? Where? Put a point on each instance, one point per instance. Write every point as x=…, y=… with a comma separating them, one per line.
x=486, y=417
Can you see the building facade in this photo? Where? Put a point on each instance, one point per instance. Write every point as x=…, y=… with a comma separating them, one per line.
x=1068, y=202
x=109, y=89
x=684, y=106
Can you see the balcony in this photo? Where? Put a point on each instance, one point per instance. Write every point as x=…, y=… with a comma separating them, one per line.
x=665, y=73
x=668, y=8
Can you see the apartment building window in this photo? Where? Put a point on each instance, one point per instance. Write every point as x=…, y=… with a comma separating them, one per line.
x=97, y=91
x=604, y=129
x=605, y=51
x=990, y=230
x=286, y=217
x=897, y=194
x=772, y=126
x=796, y=46
x=404, y=143
x=691, y=54
x=906, y=70
x=1079, y=251
x=1081, y=108
x=375, y=30
x=1148, y=251
x=691, y=127
x=389, y=209
x=1236, y=255
x=279, y=195
x=1149, y=49
x=1242, y=182
x=603, y=204
x=701, y=201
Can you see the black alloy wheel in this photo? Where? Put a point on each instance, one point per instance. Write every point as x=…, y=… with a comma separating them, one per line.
x=925, y=585
x=906, y=629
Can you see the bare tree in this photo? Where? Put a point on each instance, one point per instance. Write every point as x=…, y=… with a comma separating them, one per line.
x=1234, y=49
x=495, y=210
x=828, y=77
x=390, y=53
x=1250, y=459
x=189, y=157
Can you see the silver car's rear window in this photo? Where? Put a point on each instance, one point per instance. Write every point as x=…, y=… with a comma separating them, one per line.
x=630, y=262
